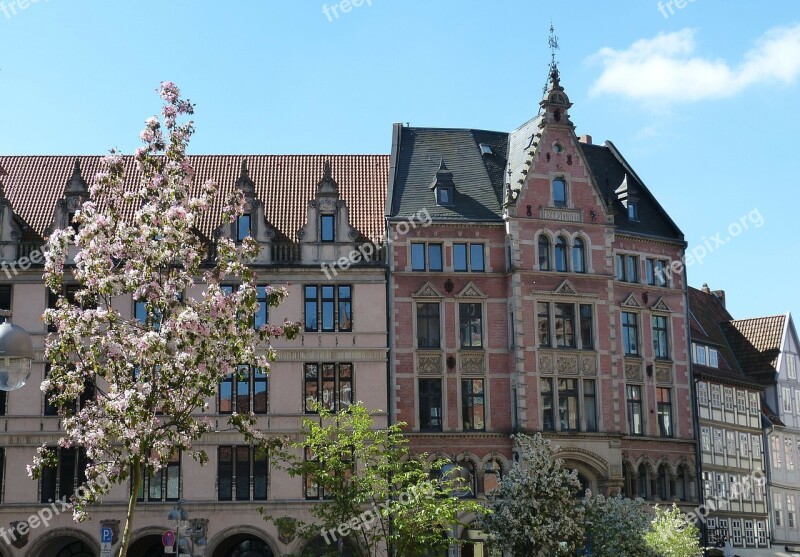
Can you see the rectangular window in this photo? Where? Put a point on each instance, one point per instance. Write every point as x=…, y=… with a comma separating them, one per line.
x=736, y=528
x=728, y=399
x=428, y=325
x=660, y=337
x=716, y=396
x=241, y=473
x=473, y=406
x=426, y=257
x=775, y=446
x=708, y=485
x=789, y=450
x=790, y=366
x=329, y=384
x=328, y=308
x=719, y=441
x=543, y=317
x=243, y=226
x=5, y=302
x=243, y=392
x=722, y=486
x=327, y=228
x=559, y=192
x=664, y=411
x=748, y=533
x=590, y=404
x=713, y=357
x=635, y=418
x=471, y=325
x=699, y=354
x=705, y=436
x=731, y=442
x=627, y=268
x=262, y=313
x=744, y=445
x=430, y=404
x=630, y=334
x=786, y=398
x=790, y=511
x=565, y=325
x=796, y=402
x=755, y=444
x=69, y=473
x=761, y=527
x=755, y=404
x=2, y=470
x=587, y=336
x=702, y=393
x=568, y=416
x=546, y=389
x=654, y=268
x=468, y=257
x=3, y=403
x=163, y=485
x=741, y=401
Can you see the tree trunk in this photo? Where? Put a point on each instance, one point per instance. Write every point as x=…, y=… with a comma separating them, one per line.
x=126, y=533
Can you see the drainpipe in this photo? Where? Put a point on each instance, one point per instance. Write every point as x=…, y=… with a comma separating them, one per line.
x=767, y=454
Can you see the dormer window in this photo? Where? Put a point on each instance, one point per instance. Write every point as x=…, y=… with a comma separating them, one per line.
x=633, y=211
x=559, y=192
x=327, y=228
x=444, y=196
x=243, y=224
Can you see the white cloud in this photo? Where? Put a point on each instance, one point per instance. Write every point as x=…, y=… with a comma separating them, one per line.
x=664, y=69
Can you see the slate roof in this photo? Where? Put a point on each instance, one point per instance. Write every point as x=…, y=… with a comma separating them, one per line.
x=284, y=183
x=478, y=178
x=757, y=344
x=708, y=317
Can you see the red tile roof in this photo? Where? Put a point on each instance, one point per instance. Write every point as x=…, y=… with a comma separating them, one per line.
x=757, y=343
x=284, y=183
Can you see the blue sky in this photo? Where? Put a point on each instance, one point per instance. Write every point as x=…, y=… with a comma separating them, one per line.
x=700, y=96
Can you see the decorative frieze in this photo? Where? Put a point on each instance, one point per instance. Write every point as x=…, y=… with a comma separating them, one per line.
x=472, y=364
x=546, y=363
x=589, y=365
x=567, y=364
x=633, y=371
x=429, y=363
x=664, y=374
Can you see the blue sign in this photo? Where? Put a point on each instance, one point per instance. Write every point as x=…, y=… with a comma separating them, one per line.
x=106, y=534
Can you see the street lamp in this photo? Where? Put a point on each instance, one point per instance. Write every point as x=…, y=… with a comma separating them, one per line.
x=190, y=542
x=16, y=355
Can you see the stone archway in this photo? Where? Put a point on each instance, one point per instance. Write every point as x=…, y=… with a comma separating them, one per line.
x=65, y=542
x=149, y=545
x=241, y=542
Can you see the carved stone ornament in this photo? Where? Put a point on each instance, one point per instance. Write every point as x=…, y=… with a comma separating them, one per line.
x=429, y=364
x=663, y=374
x=567, y=364
x=545, y=363
x=589, y=365
x=287, y=529
x=20, y=540
x=472, y=364
x=633, y=372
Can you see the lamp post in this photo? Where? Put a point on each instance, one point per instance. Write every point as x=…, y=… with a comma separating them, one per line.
x=190, y=542
x=16, y=355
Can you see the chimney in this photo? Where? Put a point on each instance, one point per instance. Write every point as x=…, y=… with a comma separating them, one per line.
x=586, y=138
x=706, y=289
x=720, y=294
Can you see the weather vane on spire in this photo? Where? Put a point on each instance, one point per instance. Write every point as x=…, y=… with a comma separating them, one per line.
x=553, y=42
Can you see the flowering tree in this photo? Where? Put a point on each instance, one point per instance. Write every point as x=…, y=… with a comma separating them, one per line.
x=671, y=535
x=534, y=507
x=380, y=499
x=616, y=526
x=150, y=380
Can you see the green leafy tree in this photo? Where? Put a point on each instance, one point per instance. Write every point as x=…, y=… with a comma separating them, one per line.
x=377, y=495
x=534, y=507
x=671, y=535
x=616, y=526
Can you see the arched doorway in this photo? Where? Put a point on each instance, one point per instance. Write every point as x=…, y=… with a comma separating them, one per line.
x=243, y=545
x=64, y=542
x=319, y=547
x=147, y=546
x=75, y=549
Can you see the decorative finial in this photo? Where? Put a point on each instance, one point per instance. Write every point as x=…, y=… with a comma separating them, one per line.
x=76, y=184
x=244, y=182
x=326, y=170
x=553, y=42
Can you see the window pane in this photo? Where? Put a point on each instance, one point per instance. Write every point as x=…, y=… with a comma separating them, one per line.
x=428, y=329
x=472, y=401
x=578, y=256
x=329, y=387
x=174, y=480
x=559, y=193
x=243, y=227
x=459, y=257
x=476, y=257
x=417, y=257
x=327, y=308
x=544, y=253
x=590, y=404
x=471, y=325
x=620, y=268
x=435, y=257
x=260, y=471
x=649, y=271
x=568, y=404
x=565, y=325
x=632, y=271
x=311, y=308
x=225, y=473
x=260, y=392
x=261, y=313
x=243, y=390
x=242, y=473
x=226, y=396
x=546, y=389
x=630, y=333
x=430, y=404
x=345, y=308
x=543, y=316
x=327, y=228
x=587, y=338
x=311, y=391
x=345, y=386
x=561, y=254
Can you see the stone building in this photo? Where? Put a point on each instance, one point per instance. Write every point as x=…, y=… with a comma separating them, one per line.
x=547, y=294
x=307, y=212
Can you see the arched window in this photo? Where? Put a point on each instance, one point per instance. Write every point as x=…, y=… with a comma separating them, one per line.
x=628, y=481
x=463, y=476
x=544, y=253
x=578, y=256
x=642, y=482
x=682, y=484
x=492, y=474
x=585, y=484
x=561, y=254
x=662, y=483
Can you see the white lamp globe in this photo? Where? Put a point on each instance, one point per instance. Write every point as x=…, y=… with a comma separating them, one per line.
x=16, y=354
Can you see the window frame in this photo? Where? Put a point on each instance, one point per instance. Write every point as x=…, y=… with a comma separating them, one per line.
x=322, y=376
x=627, y=329
x=252, y=378
x=544, y=257
x=247, y=220
x=665, y=409
x=626, y=268
x=327, y=234
x=470, y=250
x=427, y=265
x=633, y=400
x=430, y=397
x=258, y=469
x=473, y=404
x=469, y=324
x=578, y=255
x=560, y=253
x=163, y=476
x=320, y=308
x=560, y=198
x=57, y=476
x=428, y=322
x=660, y=331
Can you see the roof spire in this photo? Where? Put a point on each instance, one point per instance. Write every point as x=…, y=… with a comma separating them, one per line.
x=76, y=184
x=552, y=41
x=244, y=182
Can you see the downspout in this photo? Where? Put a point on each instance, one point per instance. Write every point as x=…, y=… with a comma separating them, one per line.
x=767, y=472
